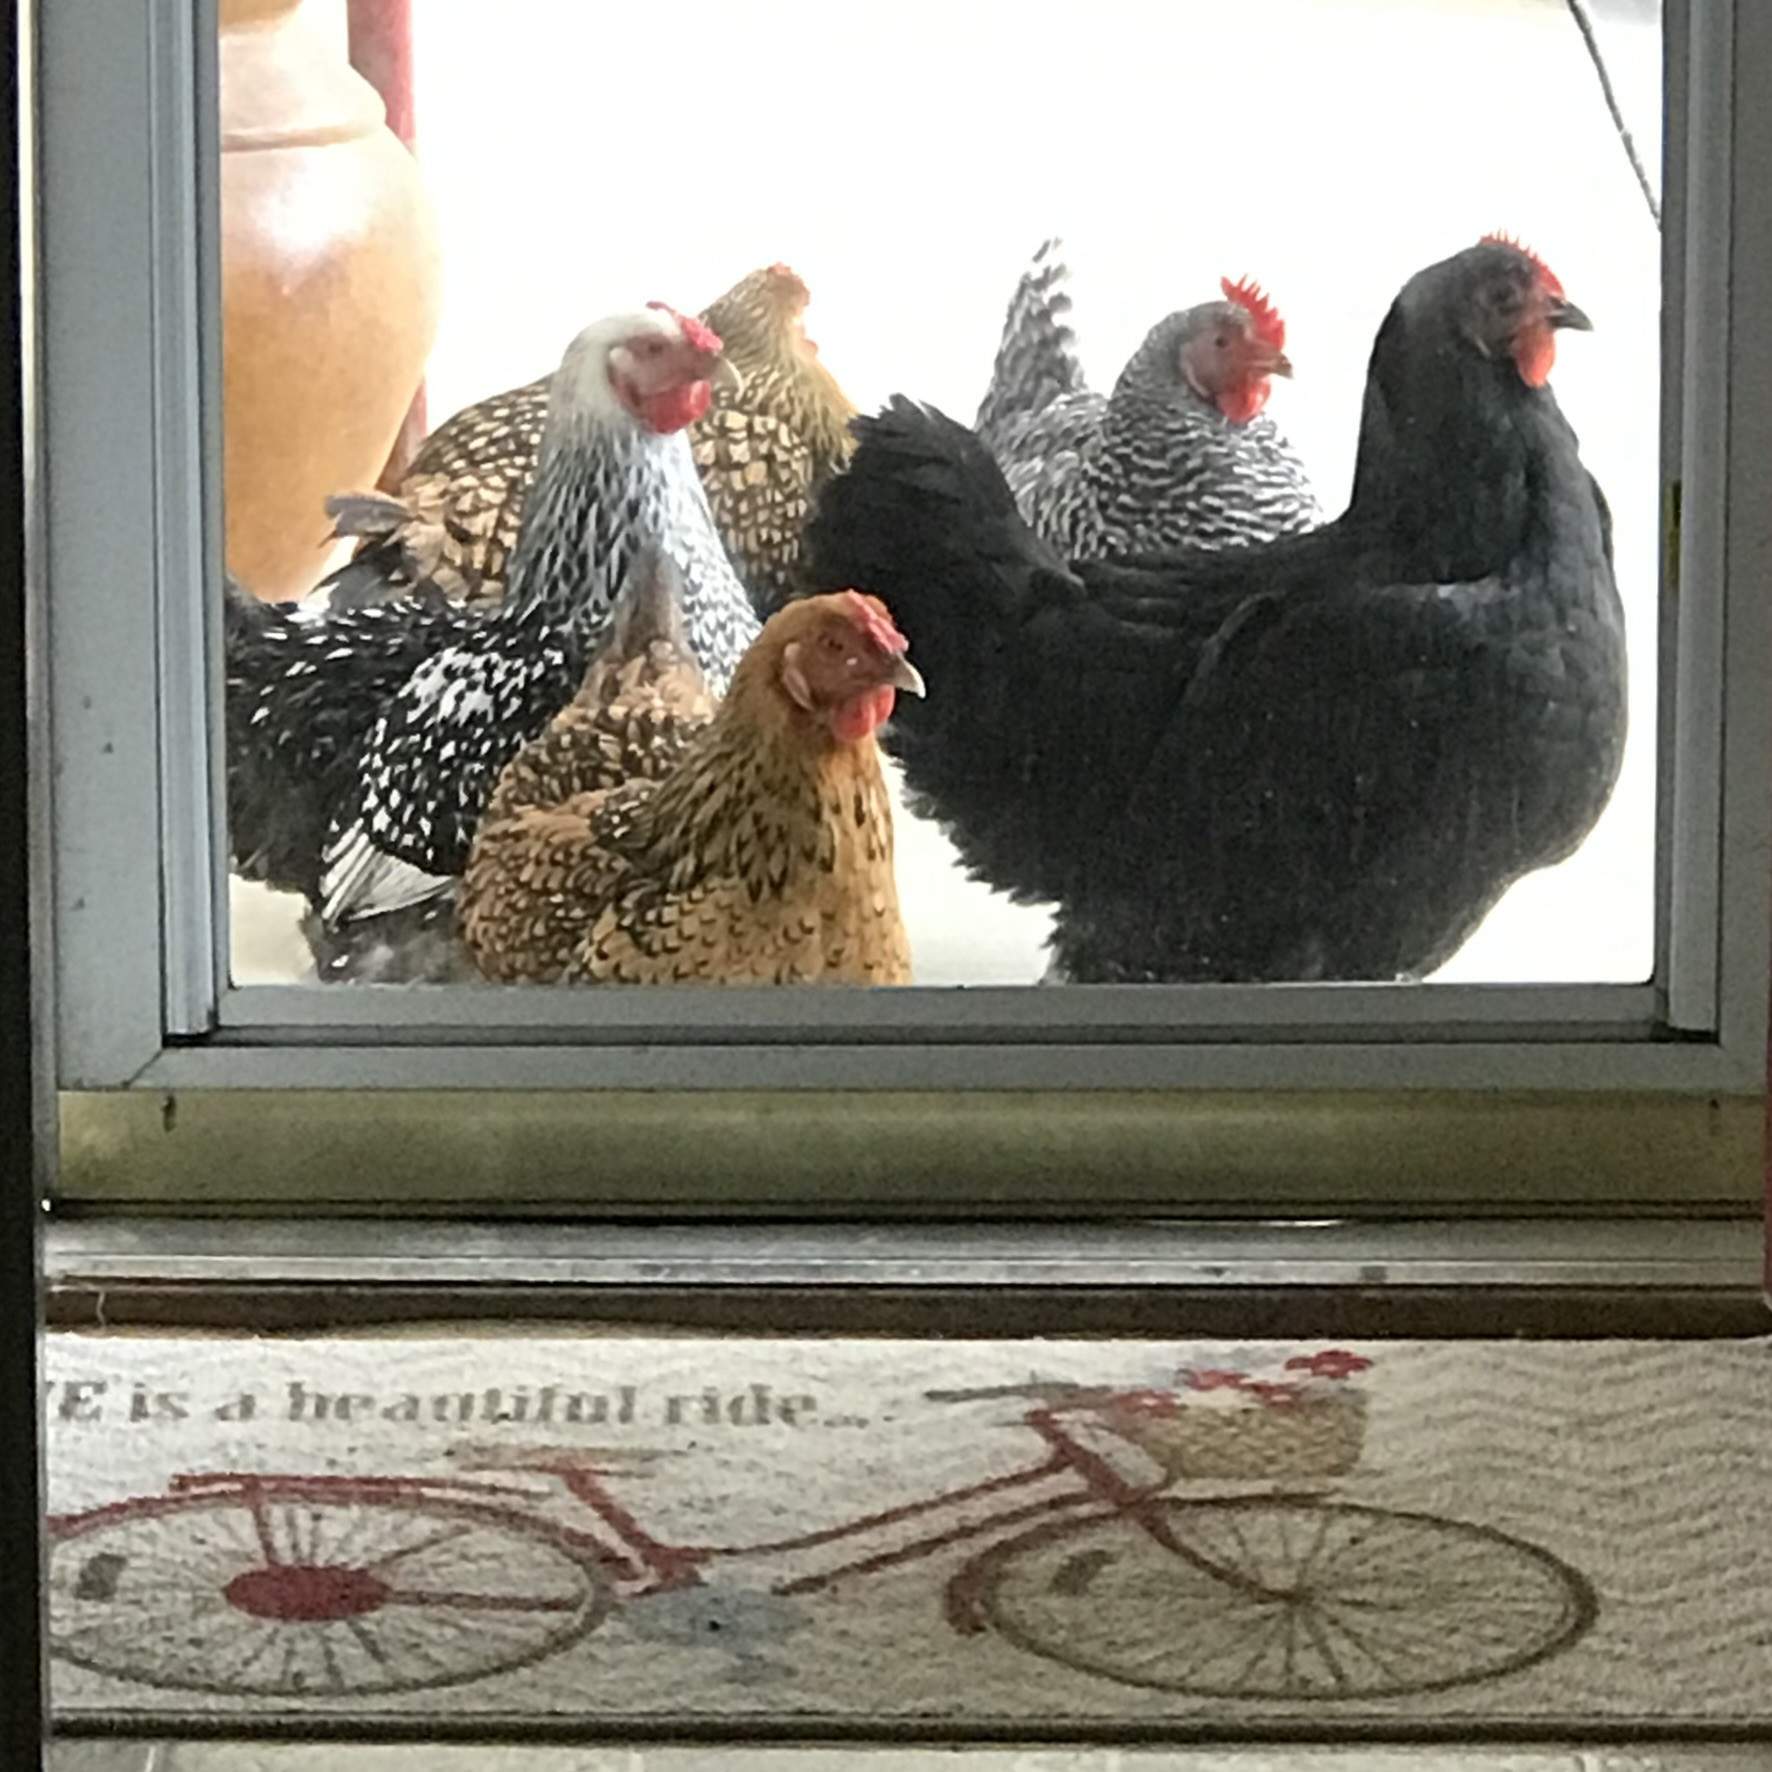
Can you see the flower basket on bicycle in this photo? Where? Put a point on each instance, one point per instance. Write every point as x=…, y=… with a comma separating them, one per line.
x=1305, y=1421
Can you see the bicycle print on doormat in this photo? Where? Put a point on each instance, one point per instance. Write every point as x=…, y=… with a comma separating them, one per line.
x=562, y=1526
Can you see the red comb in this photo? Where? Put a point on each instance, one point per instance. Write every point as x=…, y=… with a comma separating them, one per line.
x=1545, y=274
x=785, y=277
x=1248, y=294
x=871, y=616
x=699, y=337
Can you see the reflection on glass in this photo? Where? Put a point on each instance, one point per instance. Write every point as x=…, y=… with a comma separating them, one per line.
x=1178, y=723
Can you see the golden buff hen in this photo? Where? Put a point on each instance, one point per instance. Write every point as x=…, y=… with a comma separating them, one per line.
x=765, y=454
x=643, y=698
x=761, y=855
x=779, y=428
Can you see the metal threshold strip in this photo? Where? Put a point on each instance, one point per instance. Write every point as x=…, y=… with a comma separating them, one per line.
x=1574, y=1755
x=1691, y=1255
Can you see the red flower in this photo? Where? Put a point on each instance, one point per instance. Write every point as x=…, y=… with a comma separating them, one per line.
x=1275, y=1396
x=1332, y=1362
x=1148, y=1402
x=1209, y=1378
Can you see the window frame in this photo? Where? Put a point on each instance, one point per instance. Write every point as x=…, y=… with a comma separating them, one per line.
x=24, y=1692
x=1192, y=1091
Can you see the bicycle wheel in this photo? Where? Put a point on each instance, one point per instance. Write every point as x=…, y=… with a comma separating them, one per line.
x=1283, y=1597
x=315, y=1588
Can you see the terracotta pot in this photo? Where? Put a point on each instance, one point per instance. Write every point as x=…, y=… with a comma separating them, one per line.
x=330, y=288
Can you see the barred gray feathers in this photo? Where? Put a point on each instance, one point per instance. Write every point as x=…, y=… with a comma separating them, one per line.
x=1153, y=467
x=1036, y=358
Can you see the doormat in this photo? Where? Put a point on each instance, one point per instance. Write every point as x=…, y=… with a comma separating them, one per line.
x=548, y=1528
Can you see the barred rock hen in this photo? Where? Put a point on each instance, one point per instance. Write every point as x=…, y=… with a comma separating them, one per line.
x=1179, y=455
x=363, y=744
x=1323, y=757
x=763, y=857
x=763, y=450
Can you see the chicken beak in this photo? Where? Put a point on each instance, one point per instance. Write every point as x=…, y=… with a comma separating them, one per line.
x=1262, y=359
x=1564, y=313
x=905, y=675
x=724, y=373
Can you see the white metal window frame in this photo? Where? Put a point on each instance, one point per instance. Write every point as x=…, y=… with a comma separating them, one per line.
x=128, y=384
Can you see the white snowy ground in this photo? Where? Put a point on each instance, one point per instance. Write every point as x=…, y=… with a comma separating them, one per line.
x=1330, y=148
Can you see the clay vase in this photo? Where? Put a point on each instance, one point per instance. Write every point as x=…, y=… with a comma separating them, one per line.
x=331, y=282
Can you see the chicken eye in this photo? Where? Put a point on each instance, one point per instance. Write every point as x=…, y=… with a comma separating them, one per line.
x=1223, y=341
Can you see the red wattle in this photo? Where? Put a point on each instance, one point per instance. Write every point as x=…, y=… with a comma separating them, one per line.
x=676, y=407
x=1535, y=352
x=1242, y=400
x=862, y=715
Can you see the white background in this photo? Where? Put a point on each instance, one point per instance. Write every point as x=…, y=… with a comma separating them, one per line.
x=907, y=158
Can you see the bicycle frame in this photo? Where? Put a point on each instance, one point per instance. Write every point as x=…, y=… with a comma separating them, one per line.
x=1296, y=1595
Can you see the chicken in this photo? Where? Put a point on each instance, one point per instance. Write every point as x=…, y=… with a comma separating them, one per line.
x=1037, y=355
x=457, y=511
x=1179, y=455
x=1324, y=757
x=765, y=456
x=639, y=703
x=762, y=450
x=764, y=856
x=363, y=744
x=642, y=700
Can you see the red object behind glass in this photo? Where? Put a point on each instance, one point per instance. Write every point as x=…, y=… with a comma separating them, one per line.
x=380, y=40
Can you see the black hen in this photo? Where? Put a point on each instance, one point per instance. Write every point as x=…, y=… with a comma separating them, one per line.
x=1325, y=757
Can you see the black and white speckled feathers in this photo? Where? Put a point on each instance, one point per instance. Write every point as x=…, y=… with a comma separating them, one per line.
x=364, y=743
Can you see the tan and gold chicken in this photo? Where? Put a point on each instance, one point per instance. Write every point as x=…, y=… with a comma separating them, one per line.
x=764, y=454
x=763, y=451
x=760, y=853
x=642, y=700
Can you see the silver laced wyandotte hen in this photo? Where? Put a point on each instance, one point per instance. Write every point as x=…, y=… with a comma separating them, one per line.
x=761, y=855
x=1180, y=454
x=363, y=743
x=763, y=448
x=1323, y=757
